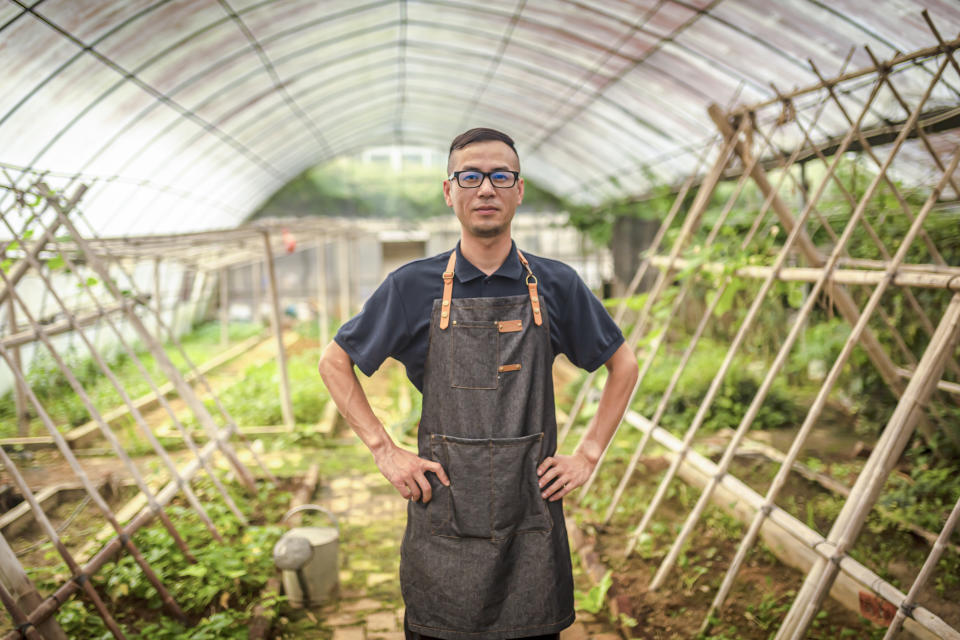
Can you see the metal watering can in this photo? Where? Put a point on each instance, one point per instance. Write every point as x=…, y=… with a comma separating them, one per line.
x=307, y=559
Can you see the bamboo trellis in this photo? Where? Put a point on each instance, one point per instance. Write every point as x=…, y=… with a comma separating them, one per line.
x=760, y=132
x=52, y=214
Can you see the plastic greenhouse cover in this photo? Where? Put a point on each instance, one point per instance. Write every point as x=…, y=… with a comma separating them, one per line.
x=186, y=115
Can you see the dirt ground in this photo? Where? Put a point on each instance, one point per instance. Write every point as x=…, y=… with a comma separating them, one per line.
x=761, y=596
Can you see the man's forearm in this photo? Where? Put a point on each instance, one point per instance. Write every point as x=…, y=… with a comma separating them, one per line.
x=622, y=377
x=336, y=369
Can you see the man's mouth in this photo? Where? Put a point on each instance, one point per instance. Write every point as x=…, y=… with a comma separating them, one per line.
x=486, y=209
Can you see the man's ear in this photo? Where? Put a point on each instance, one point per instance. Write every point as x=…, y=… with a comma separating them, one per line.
x=446, y=193
x=520, y=188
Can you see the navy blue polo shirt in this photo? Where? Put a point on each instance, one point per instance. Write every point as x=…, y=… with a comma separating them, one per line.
x=395, y=320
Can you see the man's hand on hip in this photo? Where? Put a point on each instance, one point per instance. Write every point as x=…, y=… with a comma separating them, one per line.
x=566, y=473
x=407, y=472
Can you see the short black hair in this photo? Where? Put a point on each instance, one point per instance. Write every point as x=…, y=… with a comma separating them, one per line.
x=480, y=134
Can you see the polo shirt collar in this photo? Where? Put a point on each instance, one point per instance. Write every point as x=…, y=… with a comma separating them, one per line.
x=511, y=267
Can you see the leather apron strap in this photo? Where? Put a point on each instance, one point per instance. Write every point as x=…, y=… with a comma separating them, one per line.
x=447, y=299
x=447, y=291
x=532, y=287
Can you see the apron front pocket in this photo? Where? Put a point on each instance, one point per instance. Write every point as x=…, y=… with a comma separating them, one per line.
x=517, y=504
x=462, y=510
x=493, y=492
x=475, y=355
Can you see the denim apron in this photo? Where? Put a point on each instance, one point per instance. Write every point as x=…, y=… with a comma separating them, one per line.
x=487, y=557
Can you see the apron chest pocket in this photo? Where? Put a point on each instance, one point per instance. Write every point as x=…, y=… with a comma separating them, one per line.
x=475, y=355
x=493, y=492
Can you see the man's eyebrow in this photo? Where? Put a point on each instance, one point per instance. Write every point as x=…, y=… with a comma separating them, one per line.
x=473, y=168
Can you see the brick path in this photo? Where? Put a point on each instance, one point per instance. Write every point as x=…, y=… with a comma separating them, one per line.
x=372, y=516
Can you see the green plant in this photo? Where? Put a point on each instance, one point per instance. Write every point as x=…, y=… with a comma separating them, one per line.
x=595, y=599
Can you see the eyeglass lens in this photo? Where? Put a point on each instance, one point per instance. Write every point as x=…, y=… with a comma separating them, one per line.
x=500, y=179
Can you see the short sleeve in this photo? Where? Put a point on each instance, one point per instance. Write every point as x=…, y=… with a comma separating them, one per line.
x=379, y=331
x=585, y=332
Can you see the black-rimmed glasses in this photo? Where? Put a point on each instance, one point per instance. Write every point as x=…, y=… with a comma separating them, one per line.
x=501, y=179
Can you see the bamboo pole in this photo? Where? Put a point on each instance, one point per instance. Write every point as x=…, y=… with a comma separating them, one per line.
x=864, y=263
x=92, y=409
x=19, y=401
x=926, y=571
x=171, y=606
x=631, y=290
x=286, y=404
x=897, y=60
x=226, y=448
x=841, y=298
x=795, y=233
x=24, y=595
x=323, y=313
x=662, y=336
x=184, y=389
x=26, y=629
x=943, y=385
x=157, y=291
x=809, y=598
x=870, y=482
x=781, y=358
x=77, y=574
x=28, y=336
x=802, y=546
x=257, y=273
x=343, y=272
x=21, y=267
x=49, y=606
x=177, y=304
x=902, y=278
x=224, y=311
x=133, y=408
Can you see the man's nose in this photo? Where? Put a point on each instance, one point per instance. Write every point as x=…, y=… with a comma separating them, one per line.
x=486, y=186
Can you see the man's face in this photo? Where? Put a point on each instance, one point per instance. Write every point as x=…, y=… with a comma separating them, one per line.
x=486, y=211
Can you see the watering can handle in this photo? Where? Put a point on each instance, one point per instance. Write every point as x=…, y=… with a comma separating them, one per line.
x=314, y=507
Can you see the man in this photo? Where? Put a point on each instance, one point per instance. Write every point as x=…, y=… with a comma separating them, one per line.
x=485, y=552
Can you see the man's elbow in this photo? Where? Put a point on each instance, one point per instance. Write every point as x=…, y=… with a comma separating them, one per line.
x=623, y=365
x=333, y=361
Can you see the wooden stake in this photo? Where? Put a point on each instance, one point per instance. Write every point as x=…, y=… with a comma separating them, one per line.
x=223, y=275
x=256, y=270
x=343, y=272
x=20, y=405
x=286, y=404
x=157, y=292
x=323, y=313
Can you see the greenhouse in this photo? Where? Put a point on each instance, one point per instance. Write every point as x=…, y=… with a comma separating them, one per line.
x=200, y=201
